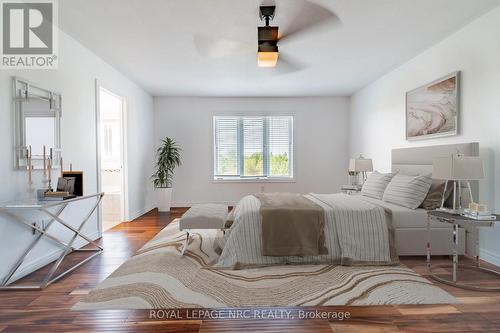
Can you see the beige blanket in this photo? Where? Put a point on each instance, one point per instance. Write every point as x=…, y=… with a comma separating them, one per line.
x=292, y=225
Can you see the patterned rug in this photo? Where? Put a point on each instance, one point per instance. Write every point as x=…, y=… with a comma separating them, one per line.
x=158, y=277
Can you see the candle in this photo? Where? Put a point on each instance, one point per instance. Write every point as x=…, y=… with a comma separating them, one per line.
x=51, y=161
x=61, y=166
x=50, y=171
x=29, y=165
x=44, y=163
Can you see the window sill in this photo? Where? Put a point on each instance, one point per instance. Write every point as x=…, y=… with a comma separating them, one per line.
x=254, y=180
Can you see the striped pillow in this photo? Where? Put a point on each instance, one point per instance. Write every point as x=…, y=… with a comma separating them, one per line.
x=408, y=191
x=375, y=185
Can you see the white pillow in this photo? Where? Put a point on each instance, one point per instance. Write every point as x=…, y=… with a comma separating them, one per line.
x=375, y=184
x=408, y=191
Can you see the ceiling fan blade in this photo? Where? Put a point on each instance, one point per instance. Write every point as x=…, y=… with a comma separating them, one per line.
x=288, y=64
x=310, y=16
x=211, y=47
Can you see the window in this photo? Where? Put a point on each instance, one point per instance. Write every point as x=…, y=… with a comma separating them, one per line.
x=253, y=147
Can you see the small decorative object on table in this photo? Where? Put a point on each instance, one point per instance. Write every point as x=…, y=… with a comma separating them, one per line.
x=457, y=168
x=478, y=212
x=472, y=229
x=58, y=195
x=76, y=179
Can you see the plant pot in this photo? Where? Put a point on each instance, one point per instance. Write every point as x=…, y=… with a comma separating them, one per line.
x=354, y=180
x=164, y=198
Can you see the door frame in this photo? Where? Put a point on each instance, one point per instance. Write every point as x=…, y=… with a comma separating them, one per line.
x=124, y=161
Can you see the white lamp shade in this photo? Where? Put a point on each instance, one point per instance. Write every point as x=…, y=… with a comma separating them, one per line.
x=360, y=164
x=457, y=167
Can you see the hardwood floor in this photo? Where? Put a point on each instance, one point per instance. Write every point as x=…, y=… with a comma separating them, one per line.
x=49, y=310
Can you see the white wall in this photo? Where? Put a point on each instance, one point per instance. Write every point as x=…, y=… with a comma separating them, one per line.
x=321, y=133
x=75, y=80
x=378, y=110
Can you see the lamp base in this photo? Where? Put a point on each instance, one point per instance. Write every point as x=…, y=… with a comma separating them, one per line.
x=452, y=211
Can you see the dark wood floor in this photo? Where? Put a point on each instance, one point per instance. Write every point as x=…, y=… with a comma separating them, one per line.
x=49, y=310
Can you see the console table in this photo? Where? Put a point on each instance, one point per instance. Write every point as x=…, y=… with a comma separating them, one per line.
x=13, y=211
x=472, y=228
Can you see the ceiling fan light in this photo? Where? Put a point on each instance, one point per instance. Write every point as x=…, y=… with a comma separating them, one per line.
x=267, y=59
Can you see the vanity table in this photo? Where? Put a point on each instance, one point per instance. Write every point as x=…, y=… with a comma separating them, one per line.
x=53, y=210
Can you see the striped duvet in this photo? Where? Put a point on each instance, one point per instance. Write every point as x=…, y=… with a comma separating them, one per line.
x=357, y=232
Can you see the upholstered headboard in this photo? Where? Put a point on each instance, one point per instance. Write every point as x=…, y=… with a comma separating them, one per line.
x=419, y=159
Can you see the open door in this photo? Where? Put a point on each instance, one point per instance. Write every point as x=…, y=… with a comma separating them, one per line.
x=111, y=142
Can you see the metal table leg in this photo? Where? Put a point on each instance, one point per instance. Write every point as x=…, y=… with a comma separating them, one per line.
x=455, y=251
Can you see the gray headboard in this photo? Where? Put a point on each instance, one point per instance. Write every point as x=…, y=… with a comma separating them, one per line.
x=419, y=159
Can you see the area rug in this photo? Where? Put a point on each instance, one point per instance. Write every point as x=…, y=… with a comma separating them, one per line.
x=158, y=277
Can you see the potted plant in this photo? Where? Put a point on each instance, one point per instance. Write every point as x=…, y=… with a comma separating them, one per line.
x=168, y=158
x=354, y=178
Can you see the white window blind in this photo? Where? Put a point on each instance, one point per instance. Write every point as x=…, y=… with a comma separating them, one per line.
x=279, y=146
x=226, y=146
x=253, y=147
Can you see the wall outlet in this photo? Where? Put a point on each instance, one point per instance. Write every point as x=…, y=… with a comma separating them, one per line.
x=262, y=189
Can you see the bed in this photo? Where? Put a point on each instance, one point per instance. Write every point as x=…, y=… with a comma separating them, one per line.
x=358, y=230
x=411, y=233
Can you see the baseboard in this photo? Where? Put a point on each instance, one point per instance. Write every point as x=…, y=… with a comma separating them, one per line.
x=191, y=203
x=139, y=213
x=490, y=257
x=40, y=262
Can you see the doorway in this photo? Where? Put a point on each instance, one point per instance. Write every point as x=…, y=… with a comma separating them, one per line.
x=110, y=156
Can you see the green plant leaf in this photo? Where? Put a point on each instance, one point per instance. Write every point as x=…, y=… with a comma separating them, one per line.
x=168, y=158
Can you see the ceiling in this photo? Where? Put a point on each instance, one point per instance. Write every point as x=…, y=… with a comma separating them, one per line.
x=152, y=42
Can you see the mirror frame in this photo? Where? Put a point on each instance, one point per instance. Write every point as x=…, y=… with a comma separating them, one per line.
x=22, y=92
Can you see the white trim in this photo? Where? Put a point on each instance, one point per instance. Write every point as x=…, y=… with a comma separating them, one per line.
x=30, y=267
x=140, y=212
x=192, y=203
x=490, y=257
x=126, y=216
x=253, y=180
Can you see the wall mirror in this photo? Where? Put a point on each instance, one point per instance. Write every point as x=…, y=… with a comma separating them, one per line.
x=37, y=114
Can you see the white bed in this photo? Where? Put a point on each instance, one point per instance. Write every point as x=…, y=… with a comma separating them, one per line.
x=357, y=232
x=353, y=224
x=411, y=233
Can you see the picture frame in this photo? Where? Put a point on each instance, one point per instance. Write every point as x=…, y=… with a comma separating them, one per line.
x=432, y=110
x=78, y=184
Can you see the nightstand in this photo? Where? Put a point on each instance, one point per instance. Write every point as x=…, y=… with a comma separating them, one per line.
x=349, y=189
x=472, y=230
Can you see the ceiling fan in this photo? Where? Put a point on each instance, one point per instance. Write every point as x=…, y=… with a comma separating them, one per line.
x=310, y=16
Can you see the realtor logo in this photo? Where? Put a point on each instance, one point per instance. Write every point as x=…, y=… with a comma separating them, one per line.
x=29, y=34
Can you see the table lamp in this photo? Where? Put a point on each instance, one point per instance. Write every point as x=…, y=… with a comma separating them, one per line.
x=457, y=168
x=361, y=164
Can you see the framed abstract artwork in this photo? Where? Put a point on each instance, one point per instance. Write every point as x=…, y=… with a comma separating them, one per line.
x=432, y=109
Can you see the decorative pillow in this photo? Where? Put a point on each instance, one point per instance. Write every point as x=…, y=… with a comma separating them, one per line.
x=375, y=184
x=408, y=191
x=435, y=195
